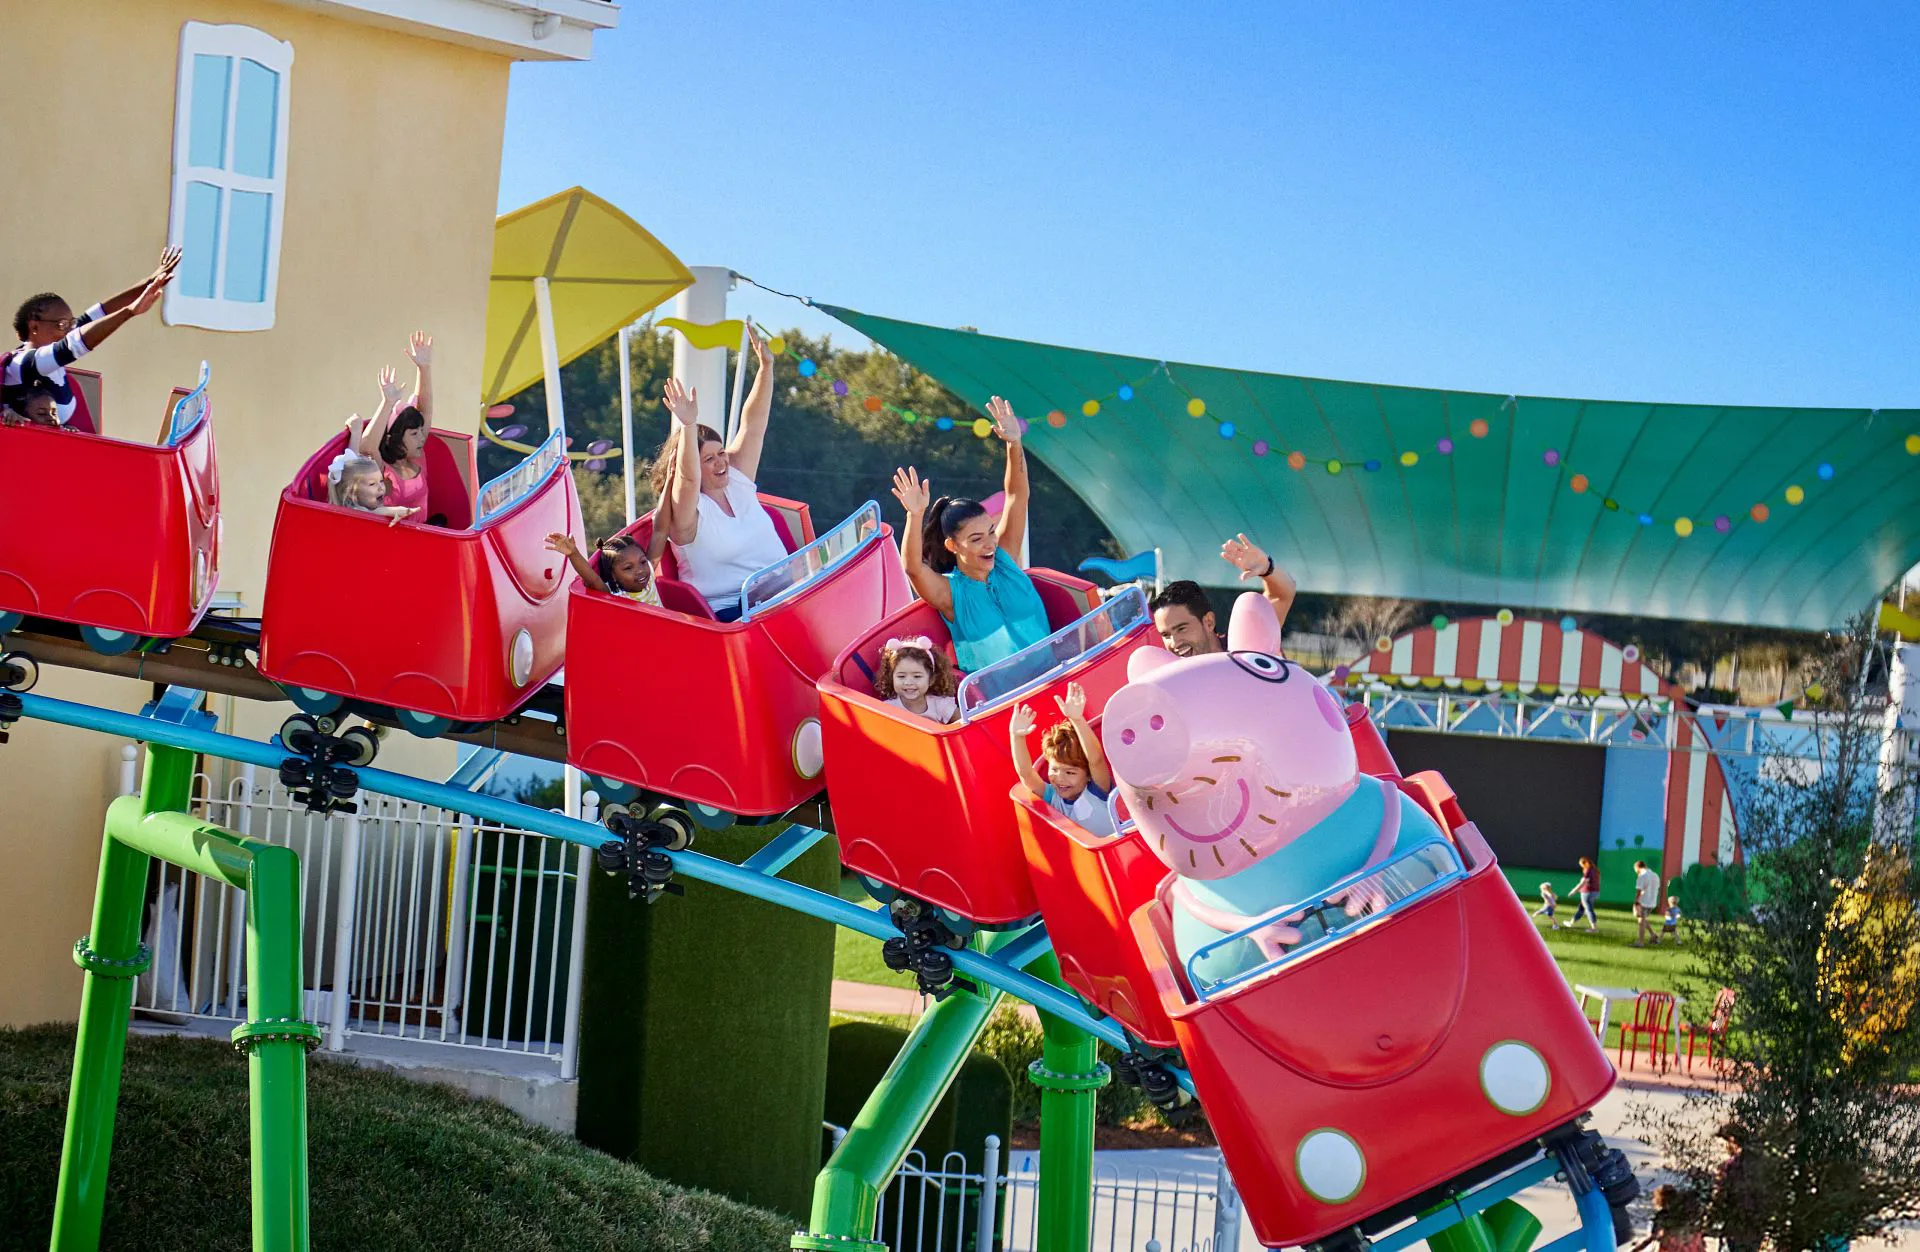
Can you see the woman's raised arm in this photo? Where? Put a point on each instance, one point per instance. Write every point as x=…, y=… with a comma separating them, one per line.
x=683, y=484
x=1013, y=515
x=914, y=495
x=376, y=428
x=420, y=352
x=744, y=455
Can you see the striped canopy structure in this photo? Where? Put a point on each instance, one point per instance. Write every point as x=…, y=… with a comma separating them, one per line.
x=1759, y=516
x=1524, y=656
x=1697, y=815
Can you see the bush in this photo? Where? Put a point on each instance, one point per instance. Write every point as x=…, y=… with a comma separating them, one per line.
x=1016, y=1041
x=1713, y=893
x=393, y=1164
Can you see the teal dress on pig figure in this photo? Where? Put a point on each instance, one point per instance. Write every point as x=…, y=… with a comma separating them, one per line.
x=1341, y=844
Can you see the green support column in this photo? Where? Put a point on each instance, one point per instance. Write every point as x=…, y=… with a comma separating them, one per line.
x=112, y=956
x=138, y=830
x=1069, y=1074
x=276, y=1042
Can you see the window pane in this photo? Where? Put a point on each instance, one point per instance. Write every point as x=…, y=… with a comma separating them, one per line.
x=199, y=241
x=248, y=216
x=254, y=118
x=207, y=129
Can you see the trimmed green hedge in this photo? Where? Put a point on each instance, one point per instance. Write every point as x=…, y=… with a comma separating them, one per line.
x=393, y=1164
x=703, y=1030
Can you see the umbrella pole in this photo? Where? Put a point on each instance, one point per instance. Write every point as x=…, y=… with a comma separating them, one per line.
x=626, y=416
x=550, y=360
x=739, y=386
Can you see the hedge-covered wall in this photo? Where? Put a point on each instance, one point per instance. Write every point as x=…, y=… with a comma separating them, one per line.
x=703, y=1042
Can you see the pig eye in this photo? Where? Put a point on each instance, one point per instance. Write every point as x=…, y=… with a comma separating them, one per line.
x=1268, y=669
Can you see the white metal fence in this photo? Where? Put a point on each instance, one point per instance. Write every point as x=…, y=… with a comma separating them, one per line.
x=418, y=923
x=949, y=1209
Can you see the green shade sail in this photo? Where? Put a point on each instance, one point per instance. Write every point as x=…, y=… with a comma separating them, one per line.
x=1658, y=510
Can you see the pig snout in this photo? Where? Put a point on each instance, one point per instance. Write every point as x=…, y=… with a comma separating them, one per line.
x=1145, y=736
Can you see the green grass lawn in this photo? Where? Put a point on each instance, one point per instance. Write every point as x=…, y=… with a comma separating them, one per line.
x=856, y=957
x=1606, y=959
x=393, y=1164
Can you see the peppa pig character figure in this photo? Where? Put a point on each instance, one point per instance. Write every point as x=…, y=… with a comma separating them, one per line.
x=1240, y=773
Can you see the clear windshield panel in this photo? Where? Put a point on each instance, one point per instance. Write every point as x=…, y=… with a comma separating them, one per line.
x=1035, y=666
x=794, y=570
x=502, y=493
x=1303, y=926
x=189, y=411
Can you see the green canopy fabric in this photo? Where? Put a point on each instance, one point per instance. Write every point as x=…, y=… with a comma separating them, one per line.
x=1660, y=510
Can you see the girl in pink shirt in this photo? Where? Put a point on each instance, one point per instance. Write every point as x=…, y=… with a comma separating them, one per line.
x=401, y=443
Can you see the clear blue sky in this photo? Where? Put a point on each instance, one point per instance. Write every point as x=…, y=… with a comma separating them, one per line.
x=1679, y=202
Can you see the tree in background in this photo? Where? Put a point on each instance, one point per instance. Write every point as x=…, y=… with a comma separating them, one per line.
x=826, y=450
x=1824, y=1048
x=1365, y=620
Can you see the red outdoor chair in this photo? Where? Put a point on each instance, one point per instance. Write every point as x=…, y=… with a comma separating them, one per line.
x=1653, y=1021
x=1716, y=1028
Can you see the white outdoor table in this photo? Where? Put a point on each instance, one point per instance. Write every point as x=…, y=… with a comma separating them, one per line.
x=1607, y=996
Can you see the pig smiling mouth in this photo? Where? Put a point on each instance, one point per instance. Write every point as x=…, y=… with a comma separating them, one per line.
x=1246, y=804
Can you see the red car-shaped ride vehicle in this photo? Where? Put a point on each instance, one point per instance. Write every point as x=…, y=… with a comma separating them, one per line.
x=121, y=539
x=725, y=715
x=1396, y=1052
x=924, y=808
x=1089, y=886
x=454, y=621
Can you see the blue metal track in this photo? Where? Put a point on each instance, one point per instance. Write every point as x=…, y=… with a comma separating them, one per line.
x=995, y=971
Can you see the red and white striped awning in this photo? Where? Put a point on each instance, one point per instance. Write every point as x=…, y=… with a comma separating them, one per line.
x=1523, y=655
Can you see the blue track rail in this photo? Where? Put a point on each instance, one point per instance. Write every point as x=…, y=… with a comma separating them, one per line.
x=756, y=878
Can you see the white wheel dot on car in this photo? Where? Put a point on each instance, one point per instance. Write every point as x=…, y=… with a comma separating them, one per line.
x=1515, y=1077
x=809, y=757
x=520, y=658
x=1331, y=1165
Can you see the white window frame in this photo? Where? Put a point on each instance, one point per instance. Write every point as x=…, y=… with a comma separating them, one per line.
x=205, y=39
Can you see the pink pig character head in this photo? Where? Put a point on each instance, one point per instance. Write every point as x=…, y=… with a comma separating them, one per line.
x=1225, y=759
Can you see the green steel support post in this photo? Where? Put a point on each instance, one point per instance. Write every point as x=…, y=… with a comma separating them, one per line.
x=112, y=956
x=276, y=1041
x=1504, y=1227
x=139, y=829
x=1069, y=1074
x=846, y=1195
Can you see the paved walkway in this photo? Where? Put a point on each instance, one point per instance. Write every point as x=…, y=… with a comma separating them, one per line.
x=861, y=997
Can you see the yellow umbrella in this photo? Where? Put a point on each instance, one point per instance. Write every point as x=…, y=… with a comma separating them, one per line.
x=592, y=267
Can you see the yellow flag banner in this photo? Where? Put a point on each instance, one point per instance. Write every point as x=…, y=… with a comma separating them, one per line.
x=707, y=335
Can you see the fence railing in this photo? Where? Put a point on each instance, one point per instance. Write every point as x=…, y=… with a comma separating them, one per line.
x=418, y=923
x=950, y=1209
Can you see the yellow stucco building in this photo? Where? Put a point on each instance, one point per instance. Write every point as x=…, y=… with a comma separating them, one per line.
x=331, y=168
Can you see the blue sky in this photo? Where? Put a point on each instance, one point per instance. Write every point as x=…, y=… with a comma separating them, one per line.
x=1708, y=203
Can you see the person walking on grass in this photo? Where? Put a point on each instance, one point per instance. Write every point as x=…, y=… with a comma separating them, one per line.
x=1646, y=901
x=1588, y=894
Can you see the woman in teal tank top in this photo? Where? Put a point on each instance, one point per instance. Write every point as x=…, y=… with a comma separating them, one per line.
x=967, y=568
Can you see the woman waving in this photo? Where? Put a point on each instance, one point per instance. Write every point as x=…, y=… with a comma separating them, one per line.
x=968, y=568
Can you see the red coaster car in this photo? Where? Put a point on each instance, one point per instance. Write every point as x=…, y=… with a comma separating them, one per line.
x=121, y=539
x=725, y=715
x=455, y=622
x=1390, y=1054
x=1089, y=887
x=923, y=807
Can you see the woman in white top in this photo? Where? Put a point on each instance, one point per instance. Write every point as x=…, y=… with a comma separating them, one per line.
x=709, y=506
